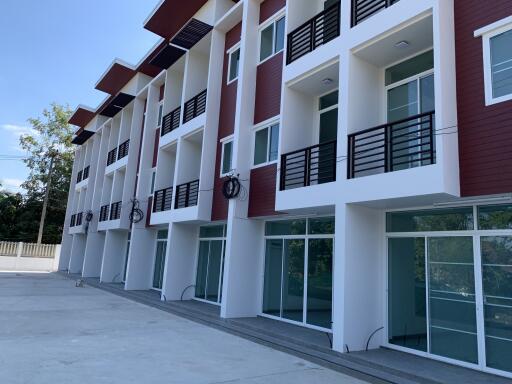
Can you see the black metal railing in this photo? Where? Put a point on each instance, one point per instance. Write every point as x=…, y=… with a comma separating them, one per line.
x=79, y=177
x=123, y=149
x=195, y=107
x=111, y=157
x=309, y=166
x=363, y=9
x=315, y=32
x=79, y=217
x=72, y=223
x=187, y=194
x=403, y=144
x=104, y=213
x=171, y=121
x=115, y=211
x=162, y=200
x=85, y=174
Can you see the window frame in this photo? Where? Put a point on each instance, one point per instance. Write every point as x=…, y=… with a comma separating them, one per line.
x=230, y=53
x=487, y=33
x=160, y=118
x=271, y=21
x=152, y=187
x=260, y=127
x=226, y=140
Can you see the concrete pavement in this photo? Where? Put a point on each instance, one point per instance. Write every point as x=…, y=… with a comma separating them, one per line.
x=52, y=332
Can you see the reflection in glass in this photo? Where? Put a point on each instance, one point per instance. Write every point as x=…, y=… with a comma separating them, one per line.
x=497, y=287
x=273, y=277
x=452, y=298
x=495, y=217
x=202, y=268
x=319, y=302
x=158, y=272
x=293, y=280
x=451, y=219
x=407, y=293
x=501, y=64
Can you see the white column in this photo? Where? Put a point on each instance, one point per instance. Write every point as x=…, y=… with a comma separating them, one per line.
x=77, y=254
x=114, y=254
x=140, y=258
x=93, y=254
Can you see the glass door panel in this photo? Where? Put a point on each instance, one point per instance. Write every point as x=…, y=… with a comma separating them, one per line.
x=293, y=280
x=202, y=269
x=497, y=290
x=214, y=271
x=158, y=272
x=273, y=277
x=407, y=312
x=453, y=329
x=319, y=297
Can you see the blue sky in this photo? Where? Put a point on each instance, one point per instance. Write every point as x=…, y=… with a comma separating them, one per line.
x=56, y=50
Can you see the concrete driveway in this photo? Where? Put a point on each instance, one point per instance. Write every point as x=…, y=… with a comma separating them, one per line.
x=52, y=332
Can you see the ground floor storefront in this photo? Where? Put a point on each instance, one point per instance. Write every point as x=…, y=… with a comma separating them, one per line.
x=434, y=282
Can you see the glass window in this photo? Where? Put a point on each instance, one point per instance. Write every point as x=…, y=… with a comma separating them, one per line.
x=160, y=114
x=234, y=65
x=158, y=271
x=266, y=145
x=273, y=276
x=227, y=156
x=202, y=269
x=153, y=177
x=319, y=300
x=409, y=68
x=497, y=287
x=321, y=226
x=495, y=217
x=163, y=234
x=452, y=219
x=329, y=100
x=293, y=279
x=285, y=227
x=501, y=64
x=211, y=231
x=407, y=307
x=272, y=39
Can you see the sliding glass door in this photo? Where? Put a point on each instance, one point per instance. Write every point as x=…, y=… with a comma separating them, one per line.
x=298, y=271
x=159, y=264
x=210, y=264
x=450, y=284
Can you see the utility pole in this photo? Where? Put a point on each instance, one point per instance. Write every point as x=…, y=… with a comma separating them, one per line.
x=45, y=202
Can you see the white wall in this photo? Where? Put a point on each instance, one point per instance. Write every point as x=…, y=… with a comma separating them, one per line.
x=113, y=256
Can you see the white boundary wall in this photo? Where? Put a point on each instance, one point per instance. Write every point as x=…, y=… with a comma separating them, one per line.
x=29, y=257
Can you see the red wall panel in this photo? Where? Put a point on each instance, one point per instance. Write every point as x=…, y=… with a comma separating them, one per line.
x=269, y=8
x=485, y=133
x=268, y=89
x=262, y=193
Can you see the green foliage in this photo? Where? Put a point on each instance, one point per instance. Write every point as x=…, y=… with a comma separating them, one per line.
x=20, y=215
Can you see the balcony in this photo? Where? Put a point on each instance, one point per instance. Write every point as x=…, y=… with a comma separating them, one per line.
x=104, y=213
x=171, y=121
x=364, y=9
x=162, y=200
x=391, y=147
x=195, y=107
x=309, y=166
x=187, y=195
x=314, y=33
x=123, y=150
x=115, y=211
x=112, y=157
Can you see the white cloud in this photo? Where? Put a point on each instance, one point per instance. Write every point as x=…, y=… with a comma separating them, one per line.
x=12, y=185
x=17, y=130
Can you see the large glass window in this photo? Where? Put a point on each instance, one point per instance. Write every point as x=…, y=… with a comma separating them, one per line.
x=266, y=145
x=409, y=68
x=452, y=219
x=495, y=217
x=160, y=254
x=298, y=271
x=234, y=65
x=227, y=157
x=501, y=64
x=272, y=39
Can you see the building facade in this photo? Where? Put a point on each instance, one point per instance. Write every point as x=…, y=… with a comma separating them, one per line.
x=339, y=165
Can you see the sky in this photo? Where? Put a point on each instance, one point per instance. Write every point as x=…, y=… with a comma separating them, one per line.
x=55, y=51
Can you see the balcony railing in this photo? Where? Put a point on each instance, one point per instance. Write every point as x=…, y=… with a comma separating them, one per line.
x=79, y=218
x=115, y=211
x=111, y=157
x=79, y=177
x=187, y=195
x=123, y=150
x=315, y=32
x=104, y=213
x=309, y=166
x=195, y=107
x=171, y=121
x=72, y=223
x=363, y=9
x=403, y=144
x=162, y=200
x=85, y=175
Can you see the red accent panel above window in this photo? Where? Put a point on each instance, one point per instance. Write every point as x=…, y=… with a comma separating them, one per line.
x=269, y=8
x=262, y=193
x=268, y=89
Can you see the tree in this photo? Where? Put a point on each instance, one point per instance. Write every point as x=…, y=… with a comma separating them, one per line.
x=51, y=138
x=10, y=204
